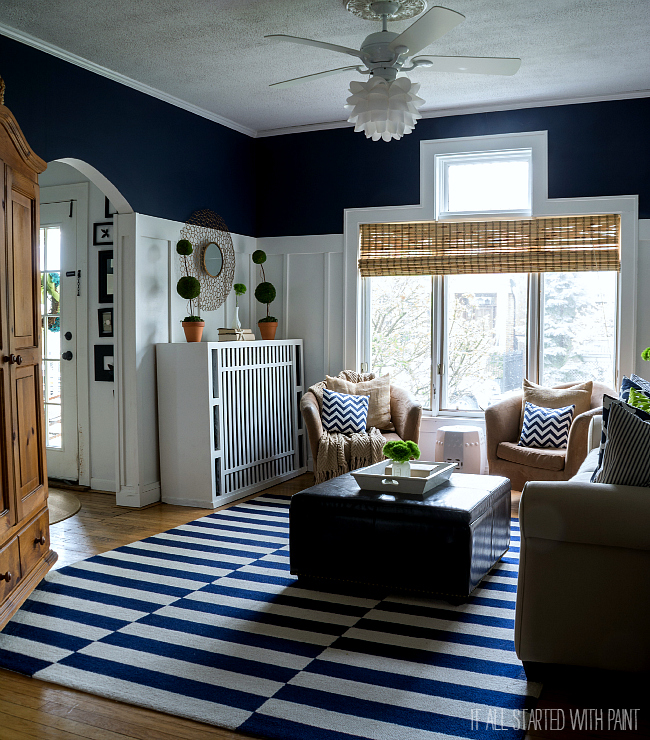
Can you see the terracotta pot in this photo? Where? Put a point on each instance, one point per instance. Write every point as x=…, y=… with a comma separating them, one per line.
x=193, y=330
x=268, y=329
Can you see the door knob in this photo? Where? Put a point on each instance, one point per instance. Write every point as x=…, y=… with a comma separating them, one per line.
x=5, y=576
x=13, y=359
x=66, y=355
x=40, y=540
x=68, y=335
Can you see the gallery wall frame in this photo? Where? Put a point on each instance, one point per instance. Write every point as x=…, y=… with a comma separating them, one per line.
x=104, y=362
x=105, y=321
x=103, y=234
x=105, y=270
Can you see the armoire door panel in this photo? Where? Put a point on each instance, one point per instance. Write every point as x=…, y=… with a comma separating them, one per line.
x=23, y=257
x=28, y=454
x=7, y=511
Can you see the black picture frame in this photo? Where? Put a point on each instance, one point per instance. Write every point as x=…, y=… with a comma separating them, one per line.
x=105, y=269
x=107, y=208
x=102, y=371
x=103, y=234
x=105, y=320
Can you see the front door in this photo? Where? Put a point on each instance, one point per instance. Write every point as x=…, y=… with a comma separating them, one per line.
x=58, y=251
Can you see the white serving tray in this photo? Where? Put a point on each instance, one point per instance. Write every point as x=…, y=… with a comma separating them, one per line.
x=425, y=477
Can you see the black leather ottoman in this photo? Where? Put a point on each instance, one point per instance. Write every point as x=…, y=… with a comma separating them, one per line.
x=445, y=544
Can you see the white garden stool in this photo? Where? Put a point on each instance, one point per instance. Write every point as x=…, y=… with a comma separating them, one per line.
x=462, y=445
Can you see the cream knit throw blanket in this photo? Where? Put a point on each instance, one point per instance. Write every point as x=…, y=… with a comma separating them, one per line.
x=339, y=453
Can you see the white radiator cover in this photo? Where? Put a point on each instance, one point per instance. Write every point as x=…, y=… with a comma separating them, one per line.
x=228, y=419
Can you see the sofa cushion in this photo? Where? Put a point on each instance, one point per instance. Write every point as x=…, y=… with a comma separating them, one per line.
x=378, y=390
x=555, y=398
x=534, y=458
x=546, y=428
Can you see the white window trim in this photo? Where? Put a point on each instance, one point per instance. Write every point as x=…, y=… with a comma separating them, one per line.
x=626, y=206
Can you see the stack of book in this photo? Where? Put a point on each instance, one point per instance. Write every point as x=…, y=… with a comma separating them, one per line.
x=232, y=335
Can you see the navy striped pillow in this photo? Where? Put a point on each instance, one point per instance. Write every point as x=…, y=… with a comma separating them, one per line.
x=608, y=403
x=626, y=459
x=546, y=428
x=344, y=413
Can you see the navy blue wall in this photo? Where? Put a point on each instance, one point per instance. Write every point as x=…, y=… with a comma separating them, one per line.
x=165, y=161
x=305, y=181
x=168, y=162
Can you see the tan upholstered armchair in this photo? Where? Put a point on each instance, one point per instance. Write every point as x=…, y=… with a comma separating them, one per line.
x=405, y=412
x=523, y=464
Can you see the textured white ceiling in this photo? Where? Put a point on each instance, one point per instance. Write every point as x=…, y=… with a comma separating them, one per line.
x=212, y=54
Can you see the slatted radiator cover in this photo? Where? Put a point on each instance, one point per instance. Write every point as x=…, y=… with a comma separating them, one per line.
x=229, y=419
x=256, y=386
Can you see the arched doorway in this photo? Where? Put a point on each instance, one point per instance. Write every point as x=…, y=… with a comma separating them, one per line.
x=78, y=208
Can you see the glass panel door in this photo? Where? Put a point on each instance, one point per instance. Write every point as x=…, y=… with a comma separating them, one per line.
x=58, y=250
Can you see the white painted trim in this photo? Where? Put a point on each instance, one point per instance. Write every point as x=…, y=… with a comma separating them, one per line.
x=626, y=206
x=102, y=485
x=644, y=229
x=79, y=193
x=57, y=51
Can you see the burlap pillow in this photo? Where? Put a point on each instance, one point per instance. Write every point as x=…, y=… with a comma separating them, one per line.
x=555, y=398
x=379, y=392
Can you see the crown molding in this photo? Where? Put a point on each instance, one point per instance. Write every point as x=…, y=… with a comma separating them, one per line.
x=469, y=110
x=56, y=51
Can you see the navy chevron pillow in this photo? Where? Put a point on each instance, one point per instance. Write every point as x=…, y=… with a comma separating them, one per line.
x=344, y=413
x=546, y=428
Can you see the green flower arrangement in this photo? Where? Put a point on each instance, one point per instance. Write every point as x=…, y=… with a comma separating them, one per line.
x=401, y=451
x=240, y=289
x=645, y=355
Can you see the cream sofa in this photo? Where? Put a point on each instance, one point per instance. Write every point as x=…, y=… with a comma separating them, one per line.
x=583, y=596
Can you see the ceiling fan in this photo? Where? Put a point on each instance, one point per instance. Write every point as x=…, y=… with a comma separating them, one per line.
x=383, y=55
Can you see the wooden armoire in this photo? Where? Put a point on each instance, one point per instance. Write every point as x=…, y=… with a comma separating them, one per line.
x=25, y=554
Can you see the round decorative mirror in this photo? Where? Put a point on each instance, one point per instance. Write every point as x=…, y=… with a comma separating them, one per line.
x=212, y=259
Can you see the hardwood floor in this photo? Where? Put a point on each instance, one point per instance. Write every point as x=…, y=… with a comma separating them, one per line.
x=30, y=708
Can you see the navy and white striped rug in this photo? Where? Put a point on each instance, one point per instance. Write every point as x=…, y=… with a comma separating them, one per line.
x=204, y=621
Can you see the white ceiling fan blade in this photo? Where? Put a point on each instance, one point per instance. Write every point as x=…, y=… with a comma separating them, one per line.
x=473, y=65
x=315, y=76
x=435, y=23
x=312, y=42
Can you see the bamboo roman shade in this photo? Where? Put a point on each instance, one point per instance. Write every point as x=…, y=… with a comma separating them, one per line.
x=561, y=244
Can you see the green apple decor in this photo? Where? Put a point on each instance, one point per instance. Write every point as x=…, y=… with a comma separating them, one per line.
x=189, y=288
x=265, y=293
x=400, y=454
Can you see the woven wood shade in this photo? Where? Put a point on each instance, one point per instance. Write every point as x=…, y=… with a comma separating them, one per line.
x=567, y=244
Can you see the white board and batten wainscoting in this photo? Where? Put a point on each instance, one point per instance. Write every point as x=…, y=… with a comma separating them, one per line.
x=229, y=419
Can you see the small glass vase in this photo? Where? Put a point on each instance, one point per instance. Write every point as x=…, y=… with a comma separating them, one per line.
x=236, y=323
x=401, y=469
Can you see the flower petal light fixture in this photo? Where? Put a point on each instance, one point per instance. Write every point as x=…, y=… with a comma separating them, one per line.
x=384, y=109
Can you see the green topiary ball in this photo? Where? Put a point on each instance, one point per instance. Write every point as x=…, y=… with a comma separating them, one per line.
x=188, y=288
x=184, y=247
x=259, y=256
x=265, y=293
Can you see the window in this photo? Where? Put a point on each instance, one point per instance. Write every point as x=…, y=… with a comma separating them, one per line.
x=484, y=183
x=457, y=332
